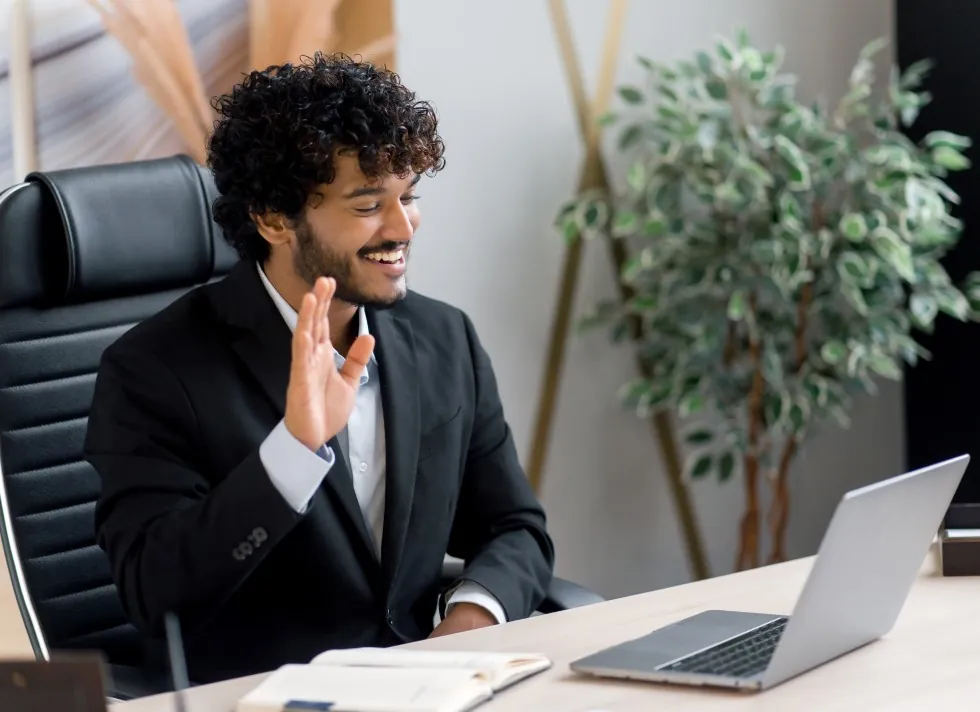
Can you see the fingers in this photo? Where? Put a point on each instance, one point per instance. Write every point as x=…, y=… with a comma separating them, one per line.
x=357, y=359
x=318, y=325
x=302, y=338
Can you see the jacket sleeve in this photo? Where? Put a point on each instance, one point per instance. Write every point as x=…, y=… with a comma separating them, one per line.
x=176, y=540
x=499, y=525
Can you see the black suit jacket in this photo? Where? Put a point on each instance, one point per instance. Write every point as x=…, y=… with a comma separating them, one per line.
x=191, y=522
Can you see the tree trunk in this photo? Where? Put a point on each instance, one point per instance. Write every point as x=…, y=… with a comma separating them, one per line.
x=748, y=539
x=748, y=544
x=779, y=507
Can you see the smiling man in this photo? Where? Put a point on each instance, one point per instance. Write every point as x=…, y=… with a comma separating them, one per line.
x=287, y=455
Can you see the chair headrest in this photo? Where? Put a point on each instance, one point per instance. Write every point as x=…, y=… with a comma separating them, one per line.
x=96, y=232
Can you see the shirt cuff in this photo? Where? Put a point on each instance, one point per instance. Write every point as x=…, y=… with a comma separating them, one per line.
x=472, y=592
x=295, y=470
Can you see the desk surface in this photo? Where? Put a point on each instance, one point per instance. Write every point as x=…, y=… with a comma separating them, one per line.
x=929, y=660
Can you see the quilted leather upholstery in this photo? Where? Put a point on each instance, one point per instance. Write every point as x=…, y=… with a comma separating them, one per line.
x=52, y=335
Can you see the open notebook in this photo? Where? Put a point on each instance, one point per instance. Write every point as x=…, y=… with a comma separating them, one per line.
x=390, y=680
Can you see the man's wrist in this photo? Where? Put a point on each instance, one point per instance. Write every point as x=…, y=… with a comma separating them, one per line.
x=474, y=615
x=474, y=593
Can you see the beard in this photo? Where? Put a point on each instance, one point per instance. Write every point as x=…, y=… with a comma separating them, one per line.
x=314, y=259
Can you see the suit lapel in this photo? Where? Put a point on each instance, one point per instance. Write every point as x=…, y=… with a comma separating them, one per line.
x=395, y=352
x=262, y=339
x=263, y=342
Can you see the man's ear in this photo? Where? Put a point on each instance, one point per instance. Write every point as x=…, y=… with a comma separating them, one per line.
x=273, y=227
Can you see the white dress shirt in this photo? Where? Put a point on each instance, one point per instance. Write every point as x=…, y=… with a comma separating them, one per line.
x=296, y=471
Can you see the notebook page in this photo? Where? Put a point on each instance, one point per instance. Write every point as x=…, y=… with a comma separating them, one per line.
x=366, y=689
x=500, y=669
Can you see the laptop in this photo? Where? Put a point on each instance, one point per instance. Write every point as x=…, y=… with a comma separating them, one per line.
x=868, y=560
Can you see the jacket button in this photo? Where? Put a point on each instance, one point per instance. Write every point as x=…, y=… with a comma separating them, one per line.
x=391, y=617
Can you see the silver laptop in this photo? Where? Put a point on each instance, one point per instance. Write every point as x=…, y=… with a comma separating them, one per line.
x=868, y=560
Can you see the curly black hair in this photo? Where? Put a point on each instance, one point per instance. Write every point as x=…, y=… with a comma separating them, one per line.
x=278, y=131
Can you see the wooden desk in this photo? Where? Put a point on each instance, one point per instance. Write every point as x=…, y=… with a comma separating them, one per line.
x=14, y=642
x=929, y=661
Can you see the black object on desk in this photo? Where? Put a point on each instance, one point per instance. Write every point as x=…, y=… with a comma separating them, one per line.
x=69, y=683
x=959, y=540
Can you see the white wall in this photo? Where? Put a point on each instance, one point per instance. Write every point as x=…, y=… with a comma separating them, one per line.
x=513, y=153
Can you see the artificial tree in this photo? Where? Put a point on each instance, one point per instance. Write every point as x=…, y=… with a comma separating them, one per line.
x=779, y=256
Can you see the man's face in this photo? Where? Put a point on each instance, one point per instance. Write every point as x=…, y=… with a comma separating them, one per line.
x=358, y=231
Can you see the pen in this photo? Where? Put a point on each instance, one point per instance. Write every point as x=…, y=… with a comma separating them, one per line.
x=175, y=656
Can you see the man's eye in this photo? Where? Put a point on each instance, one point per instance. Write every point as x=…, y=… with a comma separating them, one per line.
x=367, y=210
x=410, y=199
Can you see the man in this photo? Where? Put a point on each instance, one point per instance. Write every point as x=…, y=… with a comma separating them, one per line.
x=288, y=454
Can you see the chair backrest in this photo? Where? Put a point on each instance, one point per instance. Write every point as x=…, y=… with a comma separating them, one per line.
x=85, y=254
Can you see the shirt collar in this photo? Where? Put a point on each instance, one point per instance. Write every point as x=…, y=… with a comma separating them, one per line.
x=291, y=318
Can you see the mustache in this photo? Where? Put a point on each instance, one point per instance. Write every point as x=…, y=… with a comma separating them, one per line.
x=388, y=246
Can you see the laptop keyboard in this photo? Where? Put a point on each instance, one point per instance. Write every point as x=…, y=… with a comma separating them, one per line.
x=742, y=656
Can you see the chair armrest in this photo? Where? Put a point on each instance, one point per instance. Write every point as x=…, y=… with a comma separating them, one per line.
x=129, y=683
x=561, y=594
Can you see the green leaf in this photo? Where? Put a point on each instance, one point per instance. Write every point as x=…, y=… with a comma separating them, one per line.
x=620, y=332
x=894, y=252
x=632, y=269
x=737, y=306
x=624, y=223
x=630, y=94
x=817, y=387
x=755, y=64
x=933, y=236
x=777, y=406
x=642, y=303
x=951, y=301
x=699, y=466
x=704, y=63
x=766, y=251
x=772, y=365
x=742, y=38
x=826, y=240
x=873, y=47
x=790, y=212
x=799, y=172
x=570, y=231
x=629, y=136
x=935, y=139
x=603, y=311
x=855, y=297
x=636, y=176
x=726, y=51
x=667, y=91
x=726, y=466
x=631, y=391
x=691, y=404
x=854, y=227
x=950, y=159
x=924, y=308
x=699, y=436
x=798, y=416
x=914, y=74
x=608, y=119
x=717, y=89
x=852, y=268
x=646, y=63
x=654, y=226
x=885, y=366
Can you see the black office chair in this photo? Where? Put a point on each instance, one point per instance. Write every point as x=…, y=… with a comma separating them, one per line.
x=85, y=254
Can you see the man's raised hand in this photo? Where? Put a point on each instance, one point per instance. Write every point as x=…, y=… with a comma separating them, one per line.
x=319, y=398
